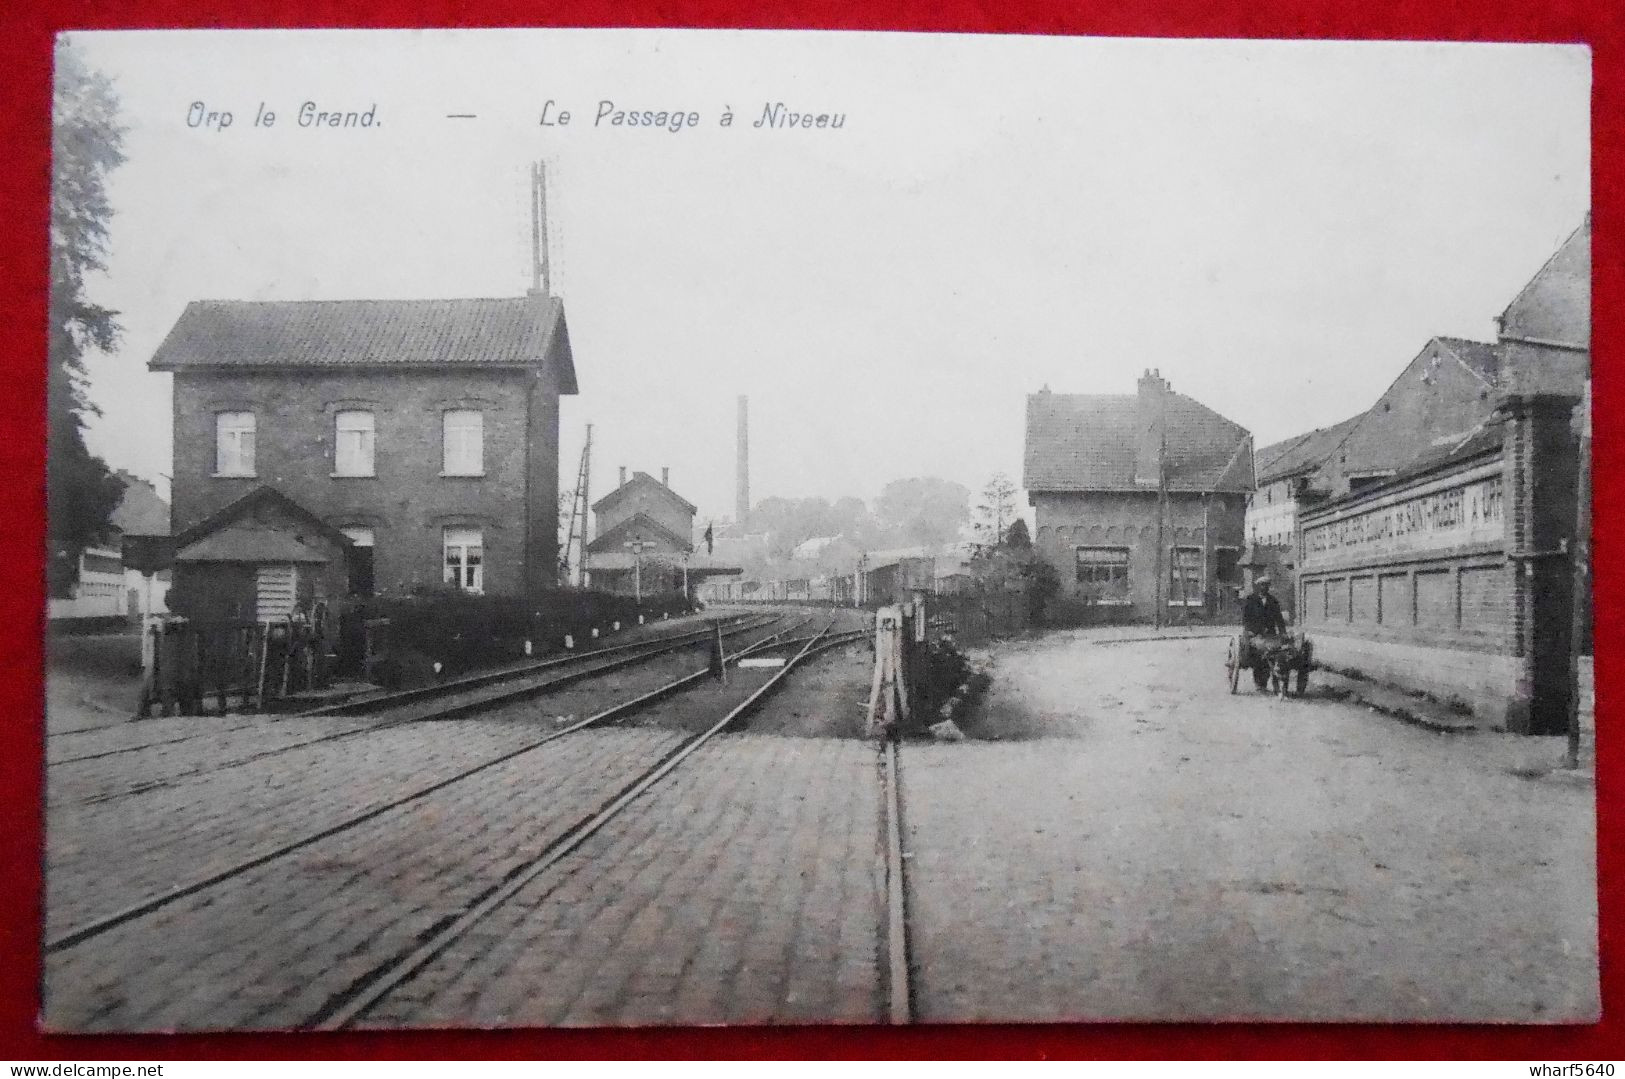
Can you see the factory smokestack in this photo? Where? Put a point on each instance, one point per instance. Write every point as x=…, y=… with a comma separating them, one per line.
x=742, y=488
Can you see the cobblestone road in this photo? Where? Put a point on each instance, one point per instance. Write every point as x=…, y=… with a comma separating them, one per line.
x=760, y=838
x=106, y=854
x=271, y=947
x=746, y=889
x=1158, y=849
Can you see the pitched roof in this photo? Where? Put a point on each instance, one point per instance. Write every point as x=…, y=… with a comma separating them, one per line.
x=140, y=511
x=1301, y=453
x=642, y=479
x=238, y=543
x=611, y=541
x=504, y=332
x=1555, y=306
x=263, y=497
x=1088, y=442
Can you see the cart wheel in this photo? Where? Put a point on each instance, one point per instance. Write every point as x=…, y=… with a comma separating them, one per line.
x=1232, y=664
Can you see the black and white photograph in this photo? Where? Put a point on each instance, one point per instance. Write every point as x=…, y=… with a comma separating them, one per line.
x=627, y=528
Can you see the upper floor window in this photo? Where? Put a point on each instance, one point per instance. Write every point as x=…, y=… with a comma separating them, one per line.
x=353, y=444
x=463, y=441
x=234, y=444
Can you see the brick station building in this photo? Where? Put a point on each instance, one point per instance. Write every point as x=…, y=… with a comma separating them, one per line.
x=425, y=432
x=1450, y=571
x=643, y=536
x=1102, y=469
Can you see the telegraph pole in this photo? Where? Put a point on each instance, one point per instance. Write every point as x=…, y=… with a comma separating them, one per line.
x=540, y=272
x=1162, y=501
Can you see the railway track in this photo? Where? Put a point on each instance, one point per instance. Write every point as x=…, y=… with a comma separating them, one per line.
x=352, y=1003
x=899, y=974
x=650, y=646
x=448, y=700
x=154, y=904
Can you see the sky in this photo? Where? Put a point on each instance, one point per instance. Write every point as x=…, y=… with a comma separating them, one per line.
x=1278, y=227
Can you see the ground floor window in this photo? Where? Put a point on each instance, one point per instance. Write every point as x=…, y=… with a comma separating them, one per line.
x=465, y=557
x=1103, y=574
x=1185, y=585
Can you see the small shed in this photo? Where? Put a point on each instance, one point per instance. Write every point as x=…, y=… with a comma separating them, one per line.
x=260, y=558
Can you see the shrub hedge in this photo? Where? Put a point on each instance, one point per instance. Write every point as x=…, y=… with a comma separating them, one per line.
x=462, y=631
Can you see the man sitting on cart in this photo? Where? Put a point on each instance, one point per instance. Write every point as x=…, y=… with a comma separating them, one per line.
x=1260, y=617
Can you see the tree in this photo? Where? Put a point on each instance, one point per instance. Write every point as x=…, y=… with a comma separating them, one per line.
x=1017, y=537
x=926, y=510
x=998, y=505
x=86, y=137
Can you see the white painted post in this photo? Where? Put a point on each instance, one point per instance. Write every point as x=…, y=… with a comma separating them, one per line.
x=569, y=642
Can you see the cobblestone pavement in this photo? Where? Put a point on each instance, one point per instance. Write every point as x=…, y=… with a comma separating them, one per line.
x=276, y=945
x=1150, y=847
x=106, y=854
x=747, y=888
x=271, y=947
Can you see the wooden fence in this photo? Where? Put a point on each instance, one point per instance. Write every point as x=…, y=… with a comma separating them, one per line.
x=239, y=665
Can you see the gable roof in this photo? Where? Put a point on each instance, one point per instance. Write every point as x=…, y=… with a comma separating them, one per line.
x=263, y=496
x=1088, y=442
x=643, y=479
x=1301, y=453
x=1555, y=306
x=140, y=511
x=611, y=541
x=506, y=332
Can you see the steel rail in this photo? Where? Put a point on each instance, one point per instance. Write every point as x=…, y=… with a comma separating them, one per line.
x=899, y=990
x=350, y=1004
x=97, y=927
x=451, y=712
x=651, y=649
x=363, y=705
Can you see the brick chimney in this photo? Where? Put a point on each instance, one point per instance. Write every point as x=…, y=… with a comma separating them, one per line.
x=623, y=477
x=1150, y=414
x=665, y=476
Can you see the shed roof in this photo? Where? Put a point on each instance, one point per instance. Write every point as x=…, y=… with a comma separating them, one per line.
x=241, y=543
x=1087, y=442
x=262, y=502
x=502, y=332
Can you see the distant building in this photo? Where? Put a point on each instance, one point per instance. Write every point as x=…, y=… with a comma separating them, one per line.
x=107, y=585
x=426, y=431
x=1283, y=472
x=1442, y=397
x=1442, y=559
x=644, y=535
x=1099, y=469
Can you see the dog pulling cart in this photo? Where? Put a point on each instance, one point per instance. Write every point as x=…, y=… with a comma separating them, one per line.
x=1275, y=662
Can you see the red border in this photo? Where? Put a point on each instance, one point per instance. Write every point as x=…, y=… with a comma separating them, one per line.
x=25, y=57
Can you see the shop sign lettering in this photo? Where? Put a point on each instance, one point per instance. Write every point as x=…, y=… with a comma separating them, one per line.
x=1449, y=518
